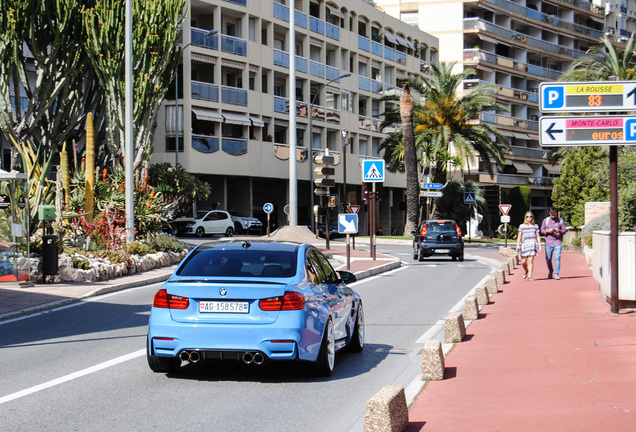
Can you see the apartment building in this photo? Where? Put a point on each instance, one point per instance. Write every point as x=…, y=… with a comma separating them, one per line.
x=233, y=106
x=516, y=45
x=620, y=18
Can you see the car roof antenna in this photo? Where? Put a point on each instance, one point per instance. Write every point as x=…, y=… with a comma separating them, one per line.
x=246, y=244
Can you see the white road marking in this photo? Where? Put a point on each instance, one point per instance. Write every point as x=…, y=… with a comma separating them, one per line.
x=72, y=376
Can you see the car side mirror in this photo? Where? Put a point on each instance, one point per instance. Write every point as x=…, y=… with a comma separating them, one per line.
x=413, y=233
x=347, y=277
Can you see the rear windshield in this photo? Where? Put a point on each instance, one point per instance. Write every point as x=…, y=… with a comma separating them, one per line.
x=439, y=228
x=257, y=263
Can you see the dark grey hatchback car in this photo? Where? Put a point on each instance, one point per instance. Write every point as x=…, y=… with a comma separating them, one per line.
x=438, y=237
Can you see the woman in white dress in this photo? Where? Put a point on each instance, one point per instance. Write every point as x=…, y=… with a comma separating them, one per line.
x=528, y=244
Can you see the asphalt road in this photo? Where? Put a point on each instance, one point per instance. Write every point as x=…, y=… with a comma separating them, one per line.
x=83, y=367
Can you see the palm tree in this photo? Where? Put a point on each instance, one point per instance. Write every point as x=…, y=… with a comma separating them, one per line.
x=410, y=160
x=449, y=119
x=445, y=126
x=604, y=61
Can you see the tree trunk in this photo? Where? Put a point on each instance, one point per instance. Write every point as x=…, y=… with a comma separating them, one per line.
x=410, y=162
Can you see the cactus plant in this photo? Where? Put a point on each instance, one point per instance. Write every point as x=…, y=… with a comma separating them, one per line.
x=89, y=194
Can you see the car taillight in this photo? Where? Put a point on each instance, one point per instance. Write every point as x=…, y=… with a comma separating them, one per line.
x=423, y=233
x=169, y=301
x=290, y=301
x=459, y=232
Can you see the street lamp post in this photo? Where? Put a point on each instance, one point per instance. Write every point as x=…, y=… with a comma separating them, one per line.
x=344, y=166
x=311, y=142
x=176, y=97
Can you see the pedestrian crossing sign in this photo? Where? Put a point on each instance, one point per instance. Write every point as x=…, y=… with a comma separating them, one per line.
x=373, y=170
x=469, y=198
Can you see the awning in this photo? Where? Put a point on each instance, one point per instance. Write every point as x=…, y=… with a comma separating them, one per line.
x=402, y=41
x=487, y=38
x=257, y=122
x=390, y=38
x=522, y=167
x=236, y=118
x=232, y=64
x=410, y=44
x=506, y=133
x=203, y=58
x=520, y=135
x=5, y=175
x=553, y=169
x=335, y=12
x=207, y=114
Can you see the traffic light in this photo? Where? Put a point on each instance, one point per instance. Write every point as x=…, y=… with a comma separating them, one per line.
x=325, y=171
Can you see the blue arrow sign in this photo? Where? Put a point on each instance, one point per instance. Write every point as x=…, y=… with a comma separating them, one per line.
x=432, y=186
x=268, y=208
x=347, y=223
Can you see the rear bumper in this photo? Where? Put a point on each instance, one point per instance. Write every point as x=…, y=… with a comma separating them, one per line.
x=430, y=250
x=229, y=341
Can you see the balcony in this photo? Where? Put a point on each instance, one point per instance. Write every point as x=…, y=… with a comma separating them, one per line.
x=476, y=55
x=205, y=144
x=233, y=95
x=282, y=12
x=364, y=44
x=377, y=48
x=205, y=91
x=503, y=91
x=509, y=35
x=281, y=105
x=552, y=20
x=210, y=41
x=507, y=121
x=234, y=146
x=281, y=151
x=281, y=58
x=238, y=2
x=332, y=31
x=316, y=25
x=316, y=69
x=510, y=179
x=369, y=123
x=233, y=45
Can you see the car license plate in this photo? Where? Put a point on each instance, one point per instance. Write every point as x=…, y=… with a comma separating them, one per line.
x=224, y=307
x=442, y=251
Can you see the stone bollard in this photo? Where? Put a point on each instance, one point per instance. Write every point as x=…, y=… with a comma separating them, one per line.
x=433, y=361
x=471, y=308
x=501, y=278
x=454, y=328
x=511, y=263
x=387, y=411
x=492, y=285
x=506, y=268
x=481, y=292
x=502, y=250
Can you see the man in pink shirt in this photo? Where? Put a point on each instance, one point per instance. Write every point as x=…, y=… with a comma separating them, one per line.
x=553, y=228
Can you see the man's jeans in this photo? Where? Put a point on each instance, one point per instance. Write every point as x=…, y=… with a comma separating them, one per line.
x=556, y=251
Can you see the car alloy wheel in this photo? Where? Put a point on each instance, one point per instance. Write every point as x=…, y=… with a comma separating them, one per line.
x=357, y=340
x=200, y=232
x=327, y=355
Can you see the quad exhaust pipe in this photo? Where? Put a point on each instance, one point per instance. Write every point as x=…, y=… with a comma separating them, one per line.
x=192, y=356
x=256, y=358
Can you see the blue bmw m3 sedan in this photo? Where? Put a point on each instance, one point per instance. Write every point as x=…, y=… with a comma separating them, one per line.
x=255, y=302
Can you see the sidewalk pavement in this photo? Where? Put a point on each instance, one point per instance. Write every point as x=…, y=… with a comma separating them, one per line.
x=544, y=355
x=17, y=300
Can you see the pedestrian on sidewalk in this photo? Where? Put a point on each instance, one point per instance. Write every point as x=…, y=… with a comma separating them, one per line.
x=528, y=244
x=553, y=228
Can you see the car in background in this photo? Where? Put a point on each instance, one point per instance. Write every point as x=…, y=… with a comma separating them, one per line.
x=211, y=222
x=254, y=302
x=438, y=237
x=333, y=230
x=246, y=224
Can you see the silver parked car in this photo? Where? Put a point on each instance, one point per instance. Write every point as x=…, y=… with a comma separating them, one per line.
x=212, y=222
x=246, y=224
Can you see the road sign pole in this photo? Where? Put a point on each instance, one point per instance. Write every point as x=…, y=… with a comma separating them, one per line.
x=506, y=234
x=613, y=157
x=348, y=252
